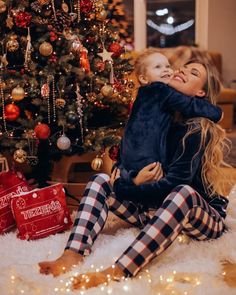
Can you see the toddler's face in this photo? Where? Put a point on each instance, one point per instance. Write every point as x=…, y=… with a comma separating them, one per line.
x=157, y=69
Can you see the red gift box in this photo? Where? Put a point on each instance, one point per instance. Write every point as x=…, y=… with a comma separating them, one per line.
x=11, y=184
x=41, y=212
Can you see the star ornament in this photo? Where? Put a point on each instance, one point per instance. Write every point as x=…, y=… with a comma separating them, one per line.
x=105, y=55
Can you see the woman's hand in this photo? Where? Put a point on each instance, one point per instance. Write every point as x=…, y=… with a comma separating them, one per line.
x=150, y=173
x=114, y=175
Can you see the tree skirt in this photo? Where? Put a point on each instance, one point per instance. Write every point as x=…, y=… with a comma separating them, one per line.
x=187, y=267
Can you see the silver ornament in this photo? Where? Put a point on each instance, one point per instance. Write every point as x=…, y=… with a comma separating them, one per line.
x=63, y=142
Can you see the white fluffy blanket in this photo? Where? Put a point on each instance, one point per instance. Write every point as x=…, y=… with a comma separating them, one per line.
x=185, y=268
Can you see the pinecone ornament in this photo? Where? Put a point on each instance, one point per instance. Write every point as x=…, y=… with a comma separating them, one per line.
x=61, y=22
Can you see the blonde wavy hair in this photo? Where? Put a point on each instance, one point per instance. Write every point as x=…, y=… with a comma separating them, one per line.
x=139, y=64
x=213, y=140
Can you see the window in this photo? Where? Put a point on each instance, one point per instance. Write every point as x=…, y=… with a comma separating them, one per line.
x=170, y=22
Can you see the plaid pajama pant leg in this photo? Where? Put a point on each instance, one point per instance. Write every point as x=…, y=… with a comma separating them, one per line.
x=91, y=215
x=93, y=210
x=183, y=210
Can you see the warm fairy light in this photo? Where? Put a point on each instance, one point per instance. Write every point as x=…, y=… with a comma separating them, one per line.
x=198, y=282
x=56, y=289
x=170, y=279
x=109, y=291
x=126, y=288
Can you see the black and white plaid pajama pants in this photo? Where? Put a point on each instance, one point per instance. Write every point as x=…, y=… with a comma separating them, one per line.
x=183, y=210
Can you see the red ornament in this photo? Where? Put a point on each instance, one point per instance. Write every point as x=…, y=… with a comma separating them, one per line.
x=12, y=112
x=86, y=6
x=53, y=36
x=42, y=131
x=114, y=152
x=23, y=19
x=116, y=48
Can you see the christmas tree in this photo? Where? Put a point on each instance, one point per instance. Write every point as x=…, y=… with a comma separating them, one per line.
x=120, y=20
x=64, y=84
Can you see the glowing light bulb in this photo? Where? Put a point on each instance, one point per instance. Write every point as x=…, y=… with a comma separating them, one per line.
x=170, y=20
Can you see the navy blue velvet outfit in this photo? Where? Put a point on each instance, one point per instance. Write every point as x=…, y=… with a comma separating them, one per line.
x=145, y=141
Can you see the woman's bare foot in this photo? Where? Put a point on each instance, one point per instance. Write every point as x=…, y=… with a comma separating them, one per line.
x=61, y=265
x=93, y=279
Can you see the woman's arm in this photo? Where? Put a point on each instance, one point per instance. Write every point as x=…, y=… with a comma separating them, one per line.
x=181, y=171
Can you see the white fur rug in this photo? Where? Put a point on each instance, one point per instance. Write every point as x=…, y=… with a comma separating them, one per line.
x=185, y=268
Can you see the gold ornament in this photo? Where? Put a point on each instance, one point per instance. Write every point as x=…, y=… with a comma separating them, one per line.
x=20, y=156
x=18, y=93
x=12, y=44
x=101, y=15
x=3, y=7
x=45, y=49
x=97, y=163
x=107, y=90
x=64, y=7
x=60, y=102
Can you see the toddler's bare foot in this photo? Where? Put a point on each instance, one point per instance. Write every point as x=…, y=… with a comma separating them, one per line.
x=61, y=265
x=93, y=279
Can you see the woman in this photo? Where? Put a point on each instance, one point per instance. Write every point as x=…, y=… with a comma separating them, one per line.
x=186, y=198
